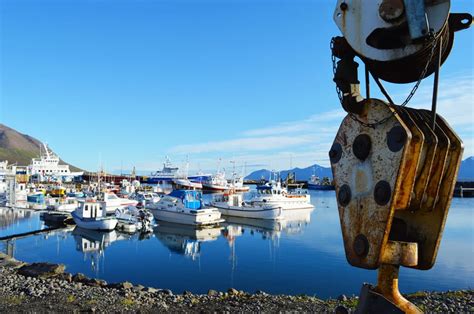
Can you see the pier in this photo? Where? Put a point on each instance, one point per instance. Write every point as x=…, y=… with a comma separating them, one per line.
x=29, y=233
x=464, y=189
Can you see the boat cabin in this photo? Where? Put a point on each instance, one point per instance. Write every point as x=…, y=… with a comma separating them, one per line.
x=91, y=209
x=231, y=199
x=191, y=199
x=269, y=190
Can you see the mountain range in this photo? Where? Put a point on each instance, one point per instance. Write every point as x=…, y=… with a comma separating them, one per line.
x=20, y=148
x=466, y=172
x=301, y=174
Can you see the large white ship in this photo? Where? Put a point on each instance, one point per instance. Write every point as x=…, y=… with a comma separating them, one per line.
x=47, y=166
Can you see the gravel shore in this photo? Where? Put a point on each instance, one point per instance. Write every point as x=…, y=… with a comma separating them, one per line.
x=48, y=288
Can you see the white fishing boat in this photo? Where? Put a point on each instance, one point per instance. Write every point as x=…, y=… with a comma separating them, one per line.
x=68, y=204
x=183, y=182
x=276, y=195
x=231, y=204
x=217, y=183
x=92, y=214
x=113, y=202
x=186, y=207
x=145, y=198
x=48, y=166
x=186, y=184
x=236, y=183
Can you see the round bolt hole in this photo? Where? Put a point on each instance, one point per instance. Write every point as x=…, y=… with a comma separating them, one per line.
x=344, y=196
x=335, y=153
x=382, y=193
x=361, y=245
x=396, y=138
x=362, y=146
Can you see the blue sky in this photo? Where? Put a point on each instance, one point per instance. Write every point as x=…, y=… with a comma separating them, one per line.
x=129, y=82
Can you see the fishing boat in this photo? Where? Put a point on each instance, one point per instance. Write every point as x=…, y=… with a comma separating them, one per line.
x=113, y=202
x=36, y=201
x=57, y=191
x=186, y=184
x=217, y=183
x=231, y=204
x=186, y=207
x=324, y=184
x=199, y=177
x=92, y=214
x=48, y=168
x=165, y=175
x=68, y=204
x=183, y=182
x=277, y=195
x=145, y=198
x=236, y=184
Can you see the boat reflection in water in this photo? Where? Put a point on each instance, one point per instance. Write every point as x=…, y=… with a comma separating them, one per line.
x=185, y=239
x=92, y=243
x=294, y=221
x=10, y=216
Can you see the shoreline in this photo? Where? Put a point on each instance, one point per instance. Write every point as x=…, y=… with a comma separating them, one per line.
x=44, y=287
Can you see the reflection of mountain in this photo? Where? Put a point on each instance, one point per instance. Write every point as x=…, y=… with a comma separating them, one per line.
x=183, y=239
x=9, y=216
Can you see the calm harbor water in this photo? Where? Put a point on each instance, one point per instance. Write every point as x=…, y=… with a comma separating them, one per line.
x=301, y=255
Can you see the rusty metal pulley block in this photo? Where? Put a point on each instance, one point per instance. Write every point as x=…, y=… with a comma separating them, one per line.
x=395, y=37
x=394, y=184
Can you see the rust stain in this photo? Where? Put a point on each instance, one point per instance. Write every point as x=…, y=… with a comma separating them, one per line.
x=387, y=285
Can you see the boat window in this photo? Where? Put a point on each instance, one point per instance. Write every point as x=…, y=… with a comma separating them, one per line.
x=86, y=208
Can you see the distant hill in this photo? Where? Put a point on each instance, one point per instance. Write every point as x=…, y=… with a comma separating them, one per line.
x=302, y=174
x=466, y=172
x=20, y=148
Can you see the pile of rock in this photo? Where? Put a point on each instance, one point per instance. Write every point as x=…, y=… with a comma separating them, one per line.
x=44, y=287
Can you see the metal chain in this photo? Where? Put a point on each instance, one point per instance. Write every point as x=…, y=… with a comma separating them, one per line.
x=434, y=44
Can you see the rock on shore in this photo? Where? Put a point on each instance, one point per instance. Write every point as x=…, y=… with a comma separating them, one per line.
x=43, y=287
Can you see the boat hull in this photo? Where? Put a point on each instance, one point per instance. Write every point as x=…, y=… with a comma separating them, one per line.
x=112, y=207
x=199, y=219
x=186, y=184
x=241, y=189
x=285, y=204
x=105, y=223
x=214, y=188
x=321, y=187
x=266, y=212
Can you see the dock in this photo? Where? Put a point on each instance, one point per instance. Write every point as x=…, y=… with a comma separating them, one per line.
x=29, y=233
x=464, y=189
